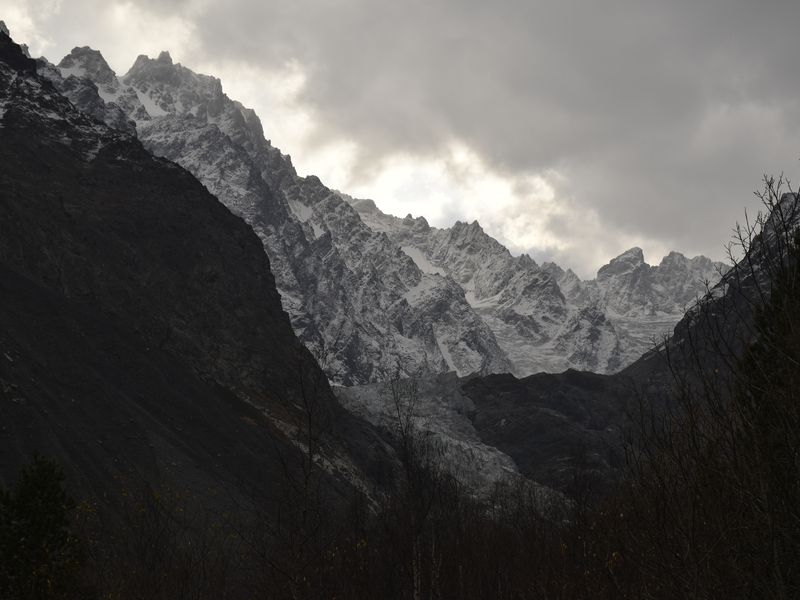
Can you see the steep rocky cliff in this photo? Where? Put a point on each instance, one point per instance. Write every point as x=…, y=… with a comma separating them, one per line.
x=141, y=333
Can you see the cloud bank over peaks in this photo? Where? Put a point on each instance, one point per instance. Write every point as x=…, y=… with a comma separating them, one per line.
x=572, y=130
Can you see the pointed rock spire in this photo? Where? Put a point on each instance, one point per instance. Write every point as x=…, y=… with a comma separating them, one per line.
x=87, y=62
x=13, y=55
x=624, y=263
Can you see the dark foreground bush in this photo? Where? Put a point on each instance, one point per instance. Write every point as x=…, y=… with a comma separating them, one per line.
x=39, y=554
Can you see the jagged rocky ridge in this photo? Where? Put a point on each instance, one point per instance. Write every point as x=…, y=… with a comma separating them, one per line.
x=165, y=356
x=142, y=336
x=374, y=295
x=545, y=318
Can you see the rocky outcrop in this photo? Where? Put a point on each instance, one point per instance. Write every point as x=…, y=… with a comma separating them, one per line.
x=560, y=429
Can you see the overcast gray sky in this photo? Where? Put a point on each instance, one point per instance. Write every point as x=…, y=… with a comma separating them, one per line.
x=570, y=130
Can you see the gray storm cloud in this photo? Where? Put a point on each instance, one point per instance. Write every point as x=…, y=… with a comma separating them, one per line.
x=661, y=117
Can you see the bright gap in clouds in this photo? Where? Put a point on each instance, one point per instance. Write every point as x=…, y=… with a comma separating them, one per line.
x=523, y=212
x=456, y=185
x=531, y=213
x=120, y=30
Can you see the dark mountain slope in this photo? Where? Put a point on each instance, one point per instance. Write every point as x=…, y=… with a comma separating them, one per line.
x=141, y=331
x=556, y=427
x=78, y=388
x=89, y=213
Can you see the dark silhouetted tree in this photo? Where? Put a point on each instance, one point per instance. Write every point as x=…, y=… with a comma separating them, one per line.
x=39, y=554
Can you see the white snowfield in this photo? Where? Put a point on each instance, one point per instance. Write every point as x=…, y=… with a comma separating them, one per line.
x=422, y=261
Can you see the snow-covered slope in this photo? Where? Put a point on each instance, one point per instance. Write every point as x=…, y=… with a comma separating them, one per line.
x=354, y=297
x=440, y=416
x=372, y=294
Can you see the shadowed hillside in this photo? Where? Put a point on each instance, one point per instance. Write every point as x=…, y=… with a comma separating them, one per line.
x=142, y=335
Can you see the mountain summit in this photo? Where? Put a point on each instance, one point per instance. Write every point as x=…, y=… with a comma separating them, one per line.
x=628, y=261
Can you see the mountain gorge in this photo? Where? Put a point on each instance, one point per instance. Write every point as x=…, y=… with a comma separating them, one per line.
x=373, y=295
x=260, y=387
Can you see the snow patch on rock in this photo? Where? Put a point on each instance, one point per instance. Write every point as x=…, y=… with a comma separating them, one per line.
x=422, y=261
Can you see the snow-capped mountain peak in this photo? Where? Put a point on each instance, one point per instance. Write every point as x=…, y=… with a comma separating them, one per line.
x=628, y=261
x=89, y=63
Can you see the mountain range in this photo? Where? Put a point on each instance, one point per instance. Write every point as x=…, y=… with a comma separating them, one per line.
x=373, y=295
